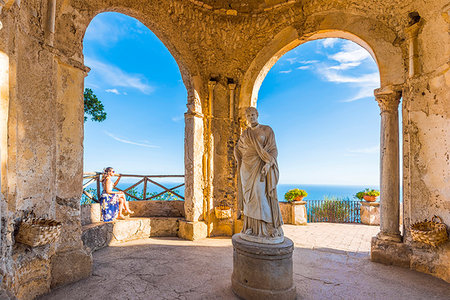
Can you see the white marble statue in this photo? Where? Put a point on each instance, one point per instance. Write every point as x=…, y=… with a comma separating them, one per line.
x=256, y=156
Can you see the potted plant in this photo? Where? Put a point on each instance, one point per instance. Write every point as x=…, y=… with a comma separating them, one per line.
x=297, y=207
x=370, y=195
x=295, y=195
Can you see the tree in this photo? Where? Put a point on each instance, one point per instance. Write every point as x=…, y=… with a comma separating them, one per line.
x=93, y=107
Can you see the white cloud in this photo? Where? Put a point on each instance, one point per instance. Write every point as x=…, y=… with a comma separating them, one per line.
x=122, y=140
x=368, y=150
x=303, y=67
x=103, y=32
x=364, y=92
x=350, y=56
x=292, y=60
x=177, y=118
x=351, y=52
x=308, y=62
x=345, y=66
x=113, y=91
x=329, y=42
x=334, y=76
x=286, y=72
x=114, y=76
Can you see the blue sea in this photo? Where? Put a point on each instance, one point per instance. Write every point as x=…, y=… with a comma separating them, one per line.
x=315, y=191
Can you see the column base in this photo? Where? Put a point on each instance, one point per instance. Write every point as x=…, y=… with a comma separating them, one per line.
x=262, y=271
x=192, y=230
x=390, y=237
x=390, y=252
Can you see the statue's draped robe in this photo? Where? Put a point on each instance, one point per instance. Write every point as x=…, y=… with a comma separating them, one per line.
x=257, y=193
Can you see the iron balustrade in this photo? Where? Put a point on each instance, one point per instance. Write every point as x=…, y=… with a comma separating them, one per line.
x=89, y=178
x=333, y=211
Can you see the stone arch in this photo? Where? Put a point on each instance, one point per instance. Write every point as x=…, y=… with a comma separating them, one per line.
x=375, y=37
x=155, y=16
x=72, y=21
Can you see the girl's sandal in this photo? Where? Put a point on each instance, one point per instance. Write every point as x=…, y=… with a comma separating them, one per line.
x=120, y=218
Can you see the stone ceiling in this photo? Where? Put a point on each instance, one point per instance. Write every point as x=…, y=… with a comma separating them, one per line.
x=245, y=6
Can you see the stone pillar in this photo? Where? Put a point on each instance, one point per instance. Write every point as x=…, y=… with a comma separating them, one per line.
x=71, y=262
x=387, y=246
x=388, y=99
x=194, y=227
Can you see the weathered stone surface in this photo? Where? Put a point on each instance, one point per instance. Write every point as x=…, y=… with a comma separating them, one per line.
x=434, y=261
x=90, y=213
x=192, y=230
x=32, y=279
x=70, y=266
x=370, y=213
x=286, y=212
x=99, y=235
x=262, y=271
x=390, y=253
x=157, y=208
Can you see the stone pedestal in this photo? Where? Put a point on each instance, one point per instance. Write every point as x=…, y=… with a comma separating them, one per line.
x=298, y=213
x=370, y=213
x=262, y=271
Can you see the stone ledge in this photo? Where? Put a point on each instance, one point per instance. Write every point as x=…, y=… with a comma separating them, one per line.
x=99, y=235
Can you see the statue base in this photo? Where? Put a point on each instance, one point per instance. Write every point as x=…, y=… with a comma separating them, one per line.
x=262, y=271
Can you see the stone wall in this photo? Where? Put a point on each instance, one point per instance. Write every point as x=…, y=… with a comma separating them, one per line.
x=90, y=213
x=41, y=112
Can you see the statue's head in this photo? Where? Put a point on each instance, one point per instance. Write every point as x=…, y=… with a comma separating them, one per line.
x=251, y=114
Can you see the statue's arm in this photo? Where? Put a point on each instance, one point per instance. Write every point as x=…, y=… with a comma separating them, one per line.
x=272, y=145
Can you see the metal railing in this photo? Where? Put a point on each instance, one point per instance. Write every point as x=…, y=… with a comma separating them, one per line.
x=89, y=178
x=333, y=211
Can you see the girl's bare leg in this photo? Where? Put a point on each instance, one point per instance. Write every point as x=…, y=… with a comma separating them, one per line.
x=121, y=207
x=126, y=205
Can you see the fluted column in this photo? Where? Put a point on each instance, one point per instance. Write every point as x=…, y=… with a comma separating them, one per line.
x=388, y=99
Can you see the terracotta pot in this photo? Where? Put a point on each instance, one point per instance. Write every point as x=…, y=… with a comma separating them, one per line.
x=370, y=198
x=299, y=198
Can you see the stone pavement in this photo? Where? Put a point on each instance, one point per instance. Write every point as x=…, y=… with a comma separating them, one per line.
x=330, y=262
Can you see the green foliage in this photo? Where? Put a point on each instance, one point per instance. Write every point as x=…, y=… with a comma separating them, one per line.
x=367, y=192
x=332, y=209
x=93, y=107
x=85, y=199
x=294, y=193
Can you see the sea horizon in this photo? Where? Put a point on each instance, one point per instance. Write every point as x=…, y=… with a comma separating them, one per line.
x=315, y=191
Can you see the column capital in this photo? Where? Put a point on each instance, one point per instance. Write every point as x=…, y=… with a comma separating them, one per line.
x=413, y=30
x=232, y=86
x=211, y=84
x=388, y=97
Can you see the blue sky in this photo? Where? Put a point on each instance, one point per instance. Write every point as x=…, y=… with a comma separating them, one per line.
x=318, y=98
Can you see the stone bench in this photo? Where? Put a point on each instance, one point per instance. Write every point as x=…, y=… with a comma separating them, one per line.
x=99, y=235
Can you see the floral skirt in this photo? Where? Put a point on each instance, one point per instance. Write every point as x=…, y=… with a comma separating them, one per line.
x=109, y=204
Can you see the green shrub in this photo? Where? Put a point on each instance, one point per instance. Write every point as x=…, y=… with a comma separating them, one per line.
x=332, y=209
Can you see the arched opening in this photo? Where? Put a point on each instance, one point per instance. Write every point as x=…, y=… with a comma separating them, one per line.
x=140, y=85
x=306, y=123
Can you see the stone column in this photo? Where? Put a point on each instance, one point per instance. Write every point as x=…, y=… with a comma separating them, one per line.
x=388, y=99
x=193, y=227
